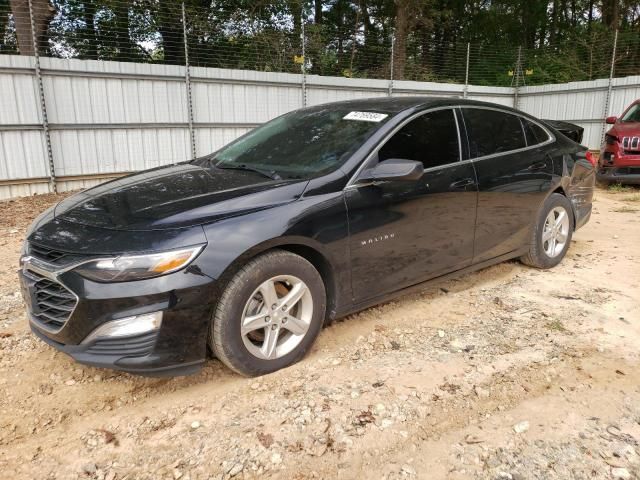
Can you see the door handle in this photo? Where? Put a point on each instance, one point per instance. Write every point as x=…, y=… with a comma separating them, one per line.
x=537, y=166
x=461, y=184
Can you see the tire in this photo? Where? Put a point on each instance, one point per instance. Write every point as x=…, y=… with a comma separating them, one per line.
x=539, y=250
x=243, y=325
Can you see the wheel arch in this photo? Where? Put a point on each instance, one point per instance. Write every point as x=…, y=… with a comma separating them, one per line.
x=303, y=247
x=561, y=191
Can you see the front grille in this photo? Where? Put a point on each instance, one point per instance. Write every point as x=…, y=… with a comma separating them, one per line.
x=44, y=253
x=631, y=144
x=53, y=302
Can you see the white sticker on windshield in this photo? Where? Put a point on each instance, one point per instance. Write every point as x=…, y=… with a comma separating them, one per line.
x=365, y=116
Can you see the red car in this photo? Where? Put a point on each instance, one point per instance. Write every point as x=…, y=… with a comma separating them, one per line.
x=620, y=154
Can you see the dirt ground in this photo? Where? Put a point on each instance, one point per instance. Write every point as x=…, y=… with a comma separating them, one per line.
x=508, y=373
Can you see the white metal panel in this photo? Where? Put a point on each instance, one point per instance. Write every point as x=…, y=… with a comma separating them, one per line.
x=242, y=103
x=22, y=154
x=208, y=140
x=90, y=102
x=592, y=134
x=317, y=96
x=83, y=152
x=71, y=185
x=19, y=99
x=625, y=91
x=24, y=190
x=334, y=89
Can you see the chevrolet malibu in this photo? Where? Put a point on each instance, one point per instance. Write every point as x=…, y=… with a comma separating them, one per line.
x=318, y=213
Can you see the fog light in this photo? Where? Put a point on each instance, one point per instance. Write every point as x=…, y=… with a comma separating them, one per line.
x=127, y=327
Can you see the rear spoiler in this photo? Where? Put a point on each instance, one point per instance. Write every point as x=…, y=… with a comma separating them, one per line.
x=569, y=130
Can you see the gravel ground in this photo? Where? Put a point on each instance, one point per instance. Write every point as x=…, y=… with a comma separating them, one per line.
x=508, y=373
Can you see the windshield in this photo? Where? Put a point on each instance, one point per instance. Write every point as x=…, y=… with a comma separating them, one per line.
x=301, y=144
x=632, y=115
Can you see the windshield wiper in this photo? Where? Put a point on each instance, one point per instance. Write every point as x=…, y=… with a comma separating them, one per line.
x=266, y=173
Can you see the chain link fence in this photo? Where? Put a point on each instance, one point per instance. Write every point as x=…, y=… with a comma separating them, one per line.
x=217, y=36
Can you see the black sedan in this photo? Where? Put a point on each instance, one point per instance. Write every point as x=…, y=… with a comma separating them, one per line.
x=316, y=214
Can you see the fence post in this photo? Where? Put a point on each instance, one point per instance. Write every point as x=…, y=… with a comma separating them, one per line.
x=187, y=79
x=466, y=74
x=43, y=106
x=607, y=101
x=516, y=74
x=393, y=44
x=303, y=67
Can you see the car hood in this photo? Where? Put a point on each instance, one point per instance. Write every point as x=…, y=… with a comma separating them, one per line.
x=625, y=129
x=176, y=196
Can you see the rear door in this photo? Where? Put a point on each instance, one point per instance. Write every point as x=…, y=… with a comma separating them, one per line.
x=514, y=177
x=405, y=232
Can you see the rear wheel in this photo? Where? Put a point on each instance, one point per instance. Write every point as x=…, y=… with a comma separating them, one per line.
x=551, y=235
x=269, y=314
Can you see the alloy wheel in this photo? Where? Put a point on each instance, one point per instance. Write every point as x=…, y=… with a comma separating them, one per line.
x=555, y=232
x=276, y=317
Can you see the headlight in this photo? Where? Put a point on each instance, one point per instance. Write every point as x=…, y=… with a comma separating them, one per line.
x=138, y=267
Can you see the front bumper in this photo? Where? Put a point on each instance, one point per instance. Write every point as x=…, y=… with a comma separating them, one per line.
x=178, y=347
x=618, y=166
x=623, y=175
x=125, y=354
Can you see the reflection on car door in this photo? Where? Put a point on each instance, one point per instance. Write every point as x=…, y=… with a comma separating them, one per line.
x=513, y=179
x=405, y=232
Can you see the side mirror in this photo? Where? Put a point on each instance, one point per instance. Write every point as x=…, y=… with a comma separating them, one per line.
x=393, y=169
x=611, y=120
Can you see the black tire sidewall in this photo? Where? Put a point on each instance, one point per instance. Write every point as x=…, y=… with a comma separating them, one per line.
x=242, y=286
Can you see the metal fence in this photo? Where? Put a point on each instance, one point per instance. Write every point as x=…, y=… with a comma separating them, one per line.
x=87, y=104
x=286, y=38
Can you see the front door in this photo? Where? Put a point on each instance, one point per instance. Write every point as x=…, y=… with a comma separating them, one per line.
x=405, y=232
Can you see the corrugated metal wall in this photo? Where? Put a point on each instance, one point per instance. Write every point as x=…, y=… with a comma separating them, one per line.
x=582, y=103
x=107, y=118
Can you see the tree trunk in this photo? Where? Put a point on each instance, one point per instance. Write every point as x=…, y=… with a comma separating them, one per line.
x=610, y=13
x=43, y=12
x=554, y=23
x=317, y=14
x=123, y=40
x=296, y=13
x=354, y=41
x=89, y=20
x=170, y=28
x=402, y=31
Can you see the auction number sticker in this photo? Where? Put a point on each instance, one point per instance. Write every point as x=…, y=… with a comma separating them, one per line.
x=365, y=116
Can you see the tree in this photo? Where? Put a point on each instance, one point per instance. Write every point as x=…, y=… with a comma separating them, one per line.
x=560, y=39
x=404, y=22
x=43, y=12
x=168, y=19
x=610, y=12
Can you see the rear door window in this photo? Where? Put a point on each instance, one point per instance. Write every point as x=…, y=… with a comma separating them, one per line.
x=534, y=134
x=431, y=138
x=491, y=131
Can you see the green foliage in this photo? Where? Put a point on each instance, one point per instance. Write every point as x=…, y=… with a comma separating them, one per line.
x=558, y=41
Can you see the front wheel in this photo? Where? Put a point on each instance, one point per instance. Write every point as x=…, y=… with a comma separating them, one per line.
x=551, y=235
x=269, y=314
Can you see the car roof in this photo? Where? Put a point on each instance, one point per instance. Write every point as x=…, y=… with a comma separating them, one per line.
x=395, y=105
